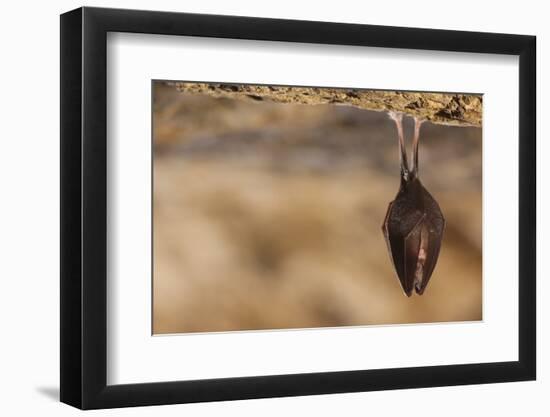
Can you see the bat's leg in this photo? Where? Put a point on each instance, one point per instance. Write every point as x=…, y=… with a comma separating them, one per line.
x=417, y=124
x=398, y=119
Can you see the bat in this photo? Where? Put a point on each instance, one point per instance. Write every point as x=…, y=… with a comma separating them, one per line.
x=414, y=224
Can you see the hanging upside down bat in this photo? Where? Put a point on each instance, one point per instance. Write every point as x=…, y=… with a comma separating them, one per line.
x=413, y=227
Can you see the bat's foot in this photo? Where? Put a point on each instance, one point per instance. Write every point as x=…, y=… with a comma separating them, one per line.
x=396, y=116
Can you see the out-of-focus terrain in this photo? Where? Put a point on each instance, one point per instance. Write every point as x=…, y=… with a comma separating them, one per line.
x=269, y=216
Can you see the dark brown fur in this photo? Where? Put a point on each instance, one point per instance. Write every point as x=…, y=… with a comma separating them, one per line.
x=413, y=229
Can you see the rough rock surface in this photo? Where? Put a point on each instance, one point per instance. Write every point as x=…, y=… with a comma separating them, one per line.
x=440, y=108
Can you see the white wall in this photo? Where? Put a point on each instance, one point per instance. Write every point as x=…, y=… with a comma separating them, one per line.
x=29, y=238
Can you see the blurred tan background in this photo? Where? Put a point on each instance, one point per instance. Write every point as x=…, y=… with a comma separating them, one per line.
x=268, y=216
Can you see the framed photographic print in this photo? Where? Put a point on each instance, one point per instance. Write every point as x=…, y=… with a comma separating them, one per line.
x=258, y=208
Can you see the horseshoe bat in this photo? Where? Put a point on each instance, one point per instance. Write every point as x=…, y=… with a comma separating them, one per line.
x=414, y=224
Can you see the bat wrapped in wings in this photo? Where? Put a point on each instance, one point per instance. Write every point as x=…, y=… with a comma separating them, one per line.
x=413, y=227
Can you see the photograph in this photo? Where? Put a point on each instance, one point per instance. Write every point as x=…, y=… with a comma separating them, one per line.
x=306, y=204
x=298, y=207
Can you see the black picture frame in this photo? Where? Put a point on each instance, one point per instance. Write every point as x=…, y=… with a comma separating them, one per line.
x=84, y=207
